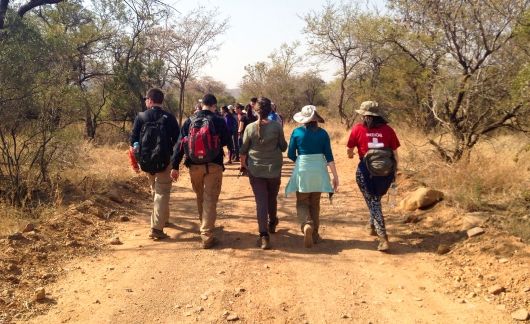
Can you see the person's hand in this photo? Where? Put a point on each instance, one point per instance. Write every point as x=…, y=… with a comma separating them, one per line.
x=335, y=182
x=350, y=153
x=174, y=174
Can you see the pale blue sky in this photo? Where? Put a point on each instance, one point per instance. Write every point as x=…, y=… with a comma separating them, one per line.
x=256, y=29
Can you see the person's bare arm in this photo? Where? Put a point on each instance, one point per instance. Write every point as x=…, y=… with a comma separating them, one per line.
x=335, y=180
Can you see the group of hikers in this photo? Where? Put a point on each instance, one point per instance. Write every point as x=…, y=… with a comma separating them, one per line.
x=256, y=140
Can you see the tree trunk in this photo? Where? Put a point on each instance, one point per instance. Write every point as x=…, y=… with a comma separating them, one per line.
x=181, y=101
x=341, y=98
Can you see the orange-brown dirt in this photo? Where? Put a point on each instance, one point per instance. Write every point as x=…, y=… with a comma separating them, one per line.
x=342, y=279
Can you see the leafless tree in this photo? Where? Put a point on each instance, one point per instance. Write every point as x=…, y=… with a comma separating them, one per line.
x=333, y=34
x=193, y=42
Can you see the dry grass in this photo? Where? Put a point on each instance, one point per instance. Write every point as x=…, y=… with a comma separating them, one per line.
x=97, y=169
x=495, y=178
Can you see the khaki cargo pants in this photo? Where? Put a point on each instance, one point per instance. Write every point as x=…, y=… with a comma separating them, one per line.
x=206, y=181
x=308, y=210
x=160, y=189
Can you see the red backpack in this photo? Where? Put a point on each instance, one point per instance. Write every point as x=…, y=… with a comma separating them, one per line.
x=202, y=144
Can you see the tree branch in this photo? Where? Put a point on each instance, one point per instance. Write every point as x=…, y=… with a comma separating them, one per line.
x=33, y=4
x=3, y=10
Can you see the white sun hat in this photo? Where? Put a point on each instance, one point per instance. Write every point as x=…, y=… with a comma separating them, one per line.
x=308, y=114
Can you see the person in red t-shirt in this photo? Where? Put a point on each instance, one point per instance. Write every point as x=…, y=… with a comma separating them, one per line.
x=373, y=132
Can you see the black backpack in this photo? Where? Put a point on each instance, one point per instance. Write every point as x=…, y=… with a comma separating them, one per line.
x=154, y=151
x=380, y=162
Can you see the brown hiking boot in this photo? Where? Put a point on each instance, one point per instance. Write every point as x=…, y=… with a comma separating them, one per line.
x=157, y=234
x=317, y=238
x=383, y=244
x=208, y=241
x=308, y=236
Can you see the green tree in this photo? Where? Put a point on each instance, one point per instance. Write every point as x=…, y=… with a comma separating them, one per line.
x=466, y=45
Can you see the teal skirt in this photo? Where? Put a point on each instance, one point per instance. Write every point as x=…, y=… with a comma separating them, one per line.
x=309, y=175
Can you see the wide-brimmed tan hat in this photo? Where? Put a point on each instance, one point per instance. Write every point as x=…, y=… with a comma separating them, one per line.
x=308, y=114
x=371, y=108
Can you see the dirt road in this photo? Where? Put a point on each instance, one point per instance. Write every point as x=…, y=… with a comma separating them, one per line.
x=343, y=279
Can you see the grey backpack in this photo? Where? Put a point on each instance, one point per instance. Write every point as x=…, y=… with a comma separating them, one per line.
x=380, y=162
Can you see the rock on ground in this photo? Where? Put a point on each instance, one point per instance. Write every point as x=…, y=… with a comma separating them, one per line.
x=475, y=231
x=520, y=314
x=421, y=198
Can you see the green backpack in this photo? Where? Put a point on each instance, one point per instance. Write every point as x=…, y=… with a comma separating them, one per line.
x=380, y=162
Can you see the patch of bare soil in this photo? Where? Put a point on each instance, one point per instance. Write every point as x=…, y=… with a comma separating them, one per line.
x=36, y=256
x=434, y=273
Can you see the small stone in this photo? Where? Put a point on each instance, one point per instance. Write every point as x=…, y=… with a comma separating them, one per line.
x=232, y=318
x=472, y=295
x=501, y=307
x=346, y=316
x=475, y=231
x=226, y=313
x=504, y=260
x=115, y=241
x=240, y=290
x=28, y=228
x=40, y=294
x=221, y=272
x=443, y=249
x=526, y=289
x=496, y=289
x=418, y=299
x=266, y=266
x=189, y=306
x=188, y=314
x=124, y=219
x=520, y=314
x=200, y=309
x=115, y=196
x=204, y=297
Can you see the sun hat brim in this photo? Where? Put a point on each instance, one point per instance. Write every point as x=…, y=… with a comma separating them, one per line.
x=301, y=119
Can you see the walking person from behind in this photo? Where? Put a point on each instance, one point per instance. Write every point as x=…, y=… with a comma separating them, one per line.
x=310, y=149
x=154, y=134
x=261, y=155
x=201, y=141
x=377, y=145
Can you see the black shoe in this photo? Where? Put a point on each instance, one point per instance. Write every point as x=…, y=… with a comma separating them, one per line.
x=157, y=234
x=272, y=226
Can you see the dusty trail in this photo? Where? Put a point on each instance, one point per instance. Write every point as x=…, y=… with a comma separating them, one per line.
x=342, y=279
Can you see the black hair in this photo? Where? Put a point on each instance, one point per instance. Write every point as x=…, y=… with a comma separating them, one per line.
x=373, y=121
x=209, y=100
x=253, y=99
x=263, y=109
x=312, y=124
x=156, y=95
x=224, y=109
